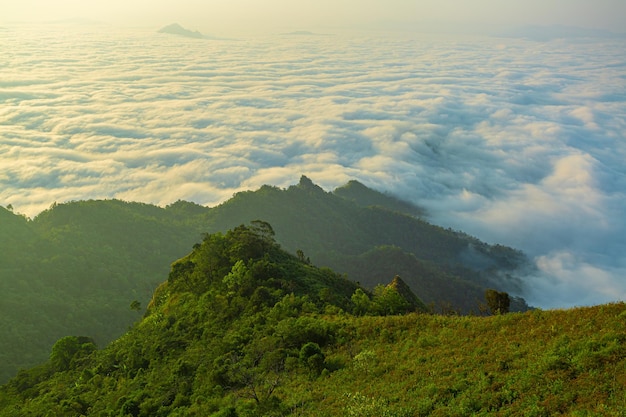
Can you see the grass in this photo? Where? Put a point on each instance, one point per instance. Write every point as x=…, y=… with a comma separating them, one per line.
x=539, y=363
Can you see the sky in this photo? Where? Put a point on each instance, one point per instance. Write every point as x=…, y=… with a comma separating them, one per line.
x=518, y=140
x=225, y=17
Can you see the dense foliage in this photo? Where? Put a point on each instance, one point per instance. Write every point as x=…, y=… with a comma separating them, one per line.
x=243, y=328
x=88, y=267
x=76, y=268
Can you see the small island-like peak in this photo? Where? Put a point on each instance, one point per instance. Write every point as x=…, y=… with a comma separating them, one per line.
x=176, y=29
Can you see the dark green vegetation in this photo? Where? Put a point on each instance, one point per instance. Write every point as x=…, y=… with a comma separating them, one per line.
x=89, y=267
x=243, y=328
x=75, y=269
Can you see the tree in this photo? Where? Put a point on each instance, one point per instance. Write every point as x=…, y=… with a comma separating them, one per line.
x=264, y=230
x=236, y=278
x=211, y=257
x=302, y=257
x=181, y=272
x=68, y=349
x=250, y=242
x=258, y=371
x=135, y=305
x=313, y=357
x=498, y=302
x=361, y=302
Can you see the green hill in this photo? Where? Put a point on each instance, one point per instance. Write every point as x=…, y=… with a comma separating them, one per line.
x=243, y=328
x=77, y=267
x=371, y=244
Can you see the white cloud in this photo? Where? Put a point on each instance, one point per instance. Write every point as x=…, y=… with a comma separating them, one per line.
x=517, y=142
x=566, y=280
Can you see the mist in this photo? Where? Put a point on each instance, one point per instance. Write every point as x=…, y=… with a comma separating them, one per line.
x=513, y=140
x=228, y=17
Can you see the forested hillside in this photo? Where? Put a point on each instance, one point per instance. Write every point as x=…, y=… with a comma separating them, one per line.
x=371, y=243
x=77, y=267
x=243, y=328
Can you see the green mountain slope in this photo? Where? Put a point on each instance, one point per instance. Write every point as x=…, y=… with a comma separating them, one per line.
x=243, y=328
x=366, y=197
x=355, y=239
x=77, y=267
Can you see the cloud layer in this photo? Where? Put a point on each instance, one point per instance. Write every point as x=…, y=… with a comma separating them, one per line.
x=516, y=142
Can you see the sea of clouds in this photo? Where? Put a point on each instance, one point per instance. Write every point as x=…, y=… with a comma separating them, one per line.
x=514, y=141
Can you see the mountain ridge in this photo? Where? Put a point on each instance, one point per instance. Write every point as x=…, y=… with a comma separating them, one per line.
x=76, y=267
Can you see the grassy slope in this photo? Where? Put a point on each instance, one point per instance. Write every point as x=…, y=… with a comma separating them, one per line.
x=539, y=363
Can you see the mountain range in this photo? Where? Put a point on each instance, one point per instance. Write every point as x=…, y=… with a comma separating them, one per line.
x=78, y=266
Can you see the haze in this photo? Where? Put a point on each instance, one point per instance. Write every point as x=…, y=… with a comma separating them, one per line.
x=232, y=16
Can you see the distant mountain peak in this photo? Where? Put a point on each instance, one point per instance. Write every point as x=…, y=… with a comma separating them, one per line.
x=176, y=29
x=306, y=184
